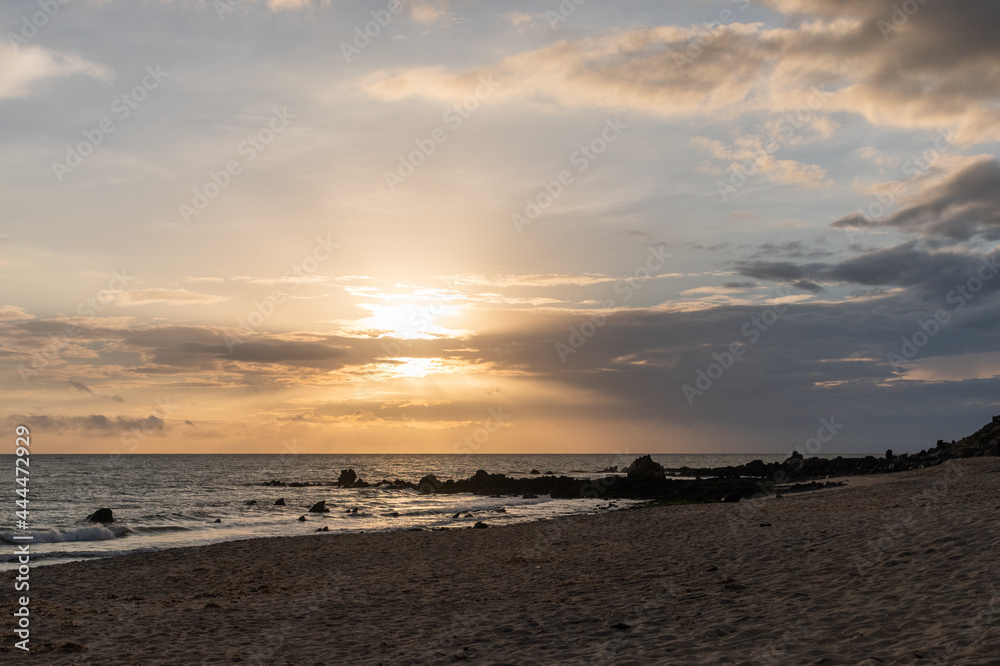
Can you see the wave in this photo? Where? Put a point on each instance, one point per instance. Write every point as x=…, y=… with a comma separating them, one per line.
x=92, y=533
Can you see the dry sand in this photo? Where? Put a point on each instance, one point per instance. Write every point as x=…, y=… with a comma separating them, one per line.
x=896, y=569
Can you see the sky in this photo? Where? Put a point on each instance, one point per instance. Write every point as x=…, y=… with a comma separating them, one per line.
x=454, y=226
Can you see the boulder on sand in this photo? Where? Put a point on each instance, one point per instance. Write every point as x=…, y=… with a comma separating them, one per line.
x=319, y=507
x=101, y=516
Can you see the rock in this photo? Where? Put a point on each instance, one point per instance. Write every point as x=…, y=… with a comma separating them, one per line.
x=302, y=519
x=621, y=626
x=550, y=473
x=613, y=468
x=765, y=524
x=534, y=471
x=480, y=525
x=456, y=515
x=250, y=502
x=319, y=507
x=347, y=479
x=529, y=496
x=279, y=502
x=217, y=520
x=732, y=497
x=101, y=516
x=888, y=454
x=500, y=510
x=429, y=484
x=325, y=528
x=645, y=469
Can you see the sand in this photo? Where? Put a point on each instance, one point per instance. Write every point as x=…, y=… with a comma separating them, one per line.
x=894, y=569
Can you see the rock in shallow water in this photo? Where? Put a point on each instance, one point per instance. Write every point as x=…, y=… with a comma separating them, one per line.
x=101, y=516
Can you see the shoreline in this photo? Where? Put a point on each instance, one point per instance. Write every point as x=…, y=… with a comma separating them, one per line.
x=899, y=567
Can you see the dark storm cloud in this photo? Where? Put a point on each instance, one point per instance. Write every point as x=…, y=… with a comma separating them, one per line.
x=964, y=207
x=932, y=273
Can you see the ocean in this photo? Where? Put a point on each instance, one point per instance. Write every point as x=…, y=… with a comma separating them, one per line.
x=168, y=501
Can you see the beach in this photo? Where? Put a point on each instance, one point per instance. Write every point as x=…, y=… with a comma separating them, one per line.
x=888, y=569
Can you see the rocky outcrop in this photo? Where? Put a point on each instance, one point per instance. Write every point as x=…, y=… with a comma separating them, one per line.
x=644, y=469
x=348, y=477
x=101, y=516
x=319, y=507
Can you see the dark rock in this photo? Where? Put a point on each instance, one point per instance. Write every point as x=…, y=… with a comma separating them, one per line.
x=645, y=469
x=534, y=471
x=732, y=497
x=621, y=626
x=302, y=519
x=480, y=525
x=348, y=477
x=250, y=502
x=319, y=507
x=101, y=516
x=888, y=454
x=279, y=502
x=456, y=515
x=550, y=473
x=500, y=510
x=325, y=528
x=765, y=524
x=217, y=520
x=429, y=484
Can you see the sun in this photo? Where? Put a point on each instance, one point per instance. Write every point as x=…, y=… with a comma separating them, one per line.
x=410, y=313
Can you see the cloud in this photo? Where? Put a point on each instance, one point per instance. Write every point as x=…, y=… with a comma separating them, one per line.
x=963, y=207
x=938, y=70
x=13, y=312
x=167, y=296
x=90, y=424
x=79, y=386
x=23, y=69
x=930, y=272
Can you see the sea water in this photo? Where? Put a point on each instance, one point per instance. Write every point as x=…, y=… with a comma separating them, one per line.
x=168, y=501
